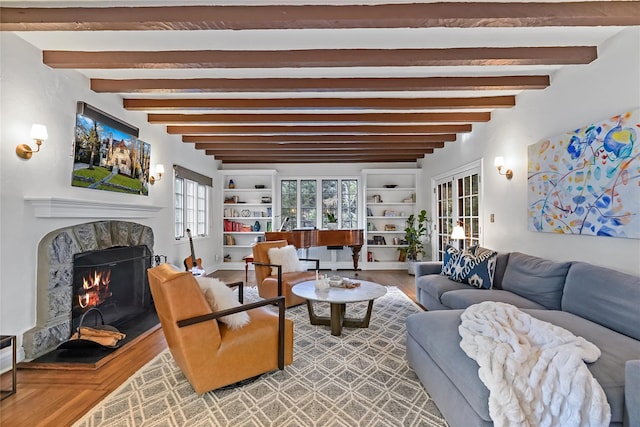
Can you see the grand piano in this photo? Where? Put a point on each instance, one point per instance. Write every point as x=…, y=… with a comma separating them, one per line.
x=306, y=238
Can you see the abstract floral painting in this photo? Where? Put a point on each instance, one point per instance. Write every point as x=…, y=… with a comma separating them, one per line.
x=587, y=181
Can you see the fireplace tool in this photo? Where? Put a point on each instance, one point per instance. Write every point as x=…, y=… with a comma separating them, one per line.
x=97, y=336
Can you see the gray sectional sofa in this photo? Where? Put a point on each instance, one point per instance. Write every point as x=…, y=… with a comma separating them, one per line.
x=596, y=303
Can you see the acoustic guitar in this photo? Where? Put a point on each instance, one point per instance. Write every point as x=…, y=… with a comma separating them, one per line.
x=192, y=261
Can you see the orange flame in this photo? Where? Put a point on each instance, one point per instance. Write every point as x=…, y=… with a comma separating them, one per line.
x=95, y=288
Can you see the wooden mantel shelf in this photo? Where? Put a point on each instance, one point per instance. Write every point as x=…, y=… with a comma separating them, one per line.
x=54, y=207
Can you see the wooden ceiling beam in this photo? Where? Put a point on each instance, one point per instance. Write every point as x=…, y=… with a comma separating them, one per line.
x=150, y=104
x=299, y=85
x=320, y=152
x=386, y=157
x=310, y=140
x=363, y=145
x=319, y=130
x=333, y=118
x=414, y=15
x=315, y=129
x=324, y=58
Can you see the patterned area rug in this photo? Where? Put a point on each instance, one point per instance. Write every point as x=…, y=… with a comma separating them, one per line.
x=358, y=379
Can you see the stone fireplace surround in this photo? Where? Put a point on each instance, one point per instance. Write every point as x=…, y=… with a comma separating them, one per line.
x=55, y=275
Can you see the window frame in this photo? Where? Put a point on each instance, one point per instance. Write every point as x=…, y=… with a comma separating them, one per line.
x=320, y=217
x=192, y=207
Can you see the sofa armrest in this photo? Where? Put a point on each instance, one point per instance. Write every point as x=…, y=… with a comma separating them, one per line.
x=632, y=392
x=428, y=267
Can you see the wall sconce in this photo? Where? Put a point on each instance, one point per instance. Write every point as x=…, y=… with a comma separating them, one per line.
x=159, y=171
x=39, y=134
x=499, y=163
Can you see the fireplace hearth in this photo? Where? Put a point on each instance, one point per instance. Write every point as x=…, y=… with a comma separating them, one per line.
x=69, y=260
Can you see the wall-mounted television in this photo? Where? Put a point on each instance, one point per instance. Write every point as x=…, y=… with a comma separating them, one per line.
x=108, y=154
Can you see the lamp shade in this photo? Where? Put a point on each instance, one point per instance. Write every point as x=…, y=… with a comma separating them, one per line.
x=457, y=233
x=498, y=162
x=39, y=132
x=160, y=168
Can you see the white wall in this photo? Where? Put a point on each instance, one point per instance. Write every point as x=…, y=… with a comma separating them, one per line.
x=34, y=93
x=578, y=95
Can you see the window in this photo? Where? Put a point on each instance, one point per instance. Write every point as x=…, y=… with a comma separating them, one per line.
x=307, y=201
x=457, y=199
x=191, y=204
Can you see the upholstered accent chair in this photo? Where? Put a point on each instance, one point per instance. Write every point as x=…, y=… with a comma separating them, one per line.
x=210, y=353
x=271, y=285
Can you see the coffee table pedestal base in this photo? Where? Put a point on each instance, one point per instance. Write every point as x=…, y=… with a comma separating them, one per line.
x=337, y=320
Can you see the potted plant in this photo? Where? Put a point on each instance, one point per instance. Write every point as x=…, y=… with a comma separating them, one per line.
x=415, y=231
x=332, y=221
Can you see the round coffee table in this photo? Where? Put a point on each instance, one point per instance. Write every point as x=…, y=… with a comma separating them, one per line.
x=338, y=299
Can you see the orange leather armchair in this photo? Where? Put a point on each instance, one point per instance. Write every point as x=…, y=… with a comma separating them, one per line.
x=270, y=286
x=209, y=353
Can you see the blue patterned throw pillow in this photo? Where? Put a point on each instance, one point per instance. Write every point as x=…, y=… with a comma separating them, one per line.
x=475, y=266
x=451, y=256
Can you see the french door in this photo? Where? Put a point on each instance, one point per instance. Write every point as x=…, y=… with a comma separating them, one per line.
x=457, y=201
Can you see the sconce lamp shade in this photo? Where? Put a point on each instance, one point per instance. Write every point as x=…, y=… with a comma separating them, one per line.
x=159, y=171
x=457, y=233
x=39, y=132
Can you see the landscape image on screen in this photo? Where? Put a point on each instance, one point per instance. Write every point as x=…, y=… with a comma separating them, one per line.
x=109, y=159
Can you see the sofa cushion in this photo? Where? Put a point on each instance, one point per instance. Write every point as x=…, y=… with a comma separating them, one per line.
x=502, y=259
x=607, y=297
x=463, y=298
x=537, y=279
x=609, y=369
x=436, y=285
x=475, y=266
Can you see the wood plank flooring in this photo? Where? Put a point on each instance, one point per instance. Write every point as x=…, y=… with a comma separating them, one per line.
x=59, y=397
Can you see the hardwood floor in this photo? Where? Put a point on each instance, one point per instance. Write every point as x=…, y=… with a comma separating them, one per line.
x=59, y=397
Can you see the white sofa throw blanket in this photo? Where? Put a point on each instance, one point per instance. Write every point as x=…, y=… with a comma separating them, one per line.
x=534, y=370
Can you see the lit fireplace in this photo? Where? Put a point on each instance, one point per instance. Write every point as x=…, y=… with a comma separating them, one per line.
x=113, y=280
x=95, y=289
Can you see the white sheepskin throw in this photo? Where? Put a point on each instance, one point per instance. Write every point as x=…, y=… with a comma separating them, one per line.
x=221, y=297
x=535, y=371
x=287, y=257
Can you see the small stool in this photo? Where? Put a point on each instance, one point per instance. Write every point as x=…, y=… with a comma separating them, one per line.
x=248, y=259
x=6, y=341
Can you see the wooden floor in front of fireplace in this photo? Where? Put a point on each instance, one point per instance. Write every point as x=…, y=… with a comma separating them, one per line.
x=59, y=397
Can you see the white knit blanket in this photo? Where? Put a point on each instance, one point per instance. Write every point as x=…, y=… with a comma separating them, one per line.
x=534, y=370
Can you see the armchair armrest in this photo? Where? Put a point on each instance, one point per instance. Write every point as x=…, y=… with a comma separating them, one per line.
x=632, y=392
x=240, y=286
x=424, y=268
x=277, y=300
x=279, y=267
x=317, y=261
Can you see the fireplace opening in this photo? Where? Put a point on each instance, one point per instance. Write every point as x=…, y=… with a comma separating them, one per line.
x=113, y=280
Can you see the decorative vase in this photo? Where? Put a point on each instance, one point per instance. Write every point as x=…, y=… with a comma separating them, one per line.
x=256, y=226
x=232, y=184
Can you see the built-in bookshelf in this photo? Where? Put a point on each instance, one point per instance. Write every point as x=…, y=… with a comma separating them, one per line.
x=390, y=197
x=247, y=212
